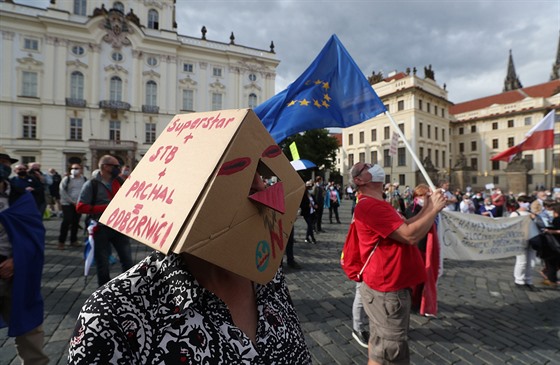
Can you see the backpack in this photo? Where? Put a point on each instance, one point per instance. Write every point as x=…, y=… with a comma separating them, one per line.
x=350, y=259
x=66, y=181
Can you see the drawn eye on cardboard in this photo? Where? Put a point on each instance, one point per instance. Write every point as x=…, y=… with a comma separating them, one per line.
x=192, y=193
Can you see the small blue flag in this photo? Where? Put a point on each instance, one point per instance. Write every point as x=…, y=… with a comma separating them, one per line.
x=332, y=92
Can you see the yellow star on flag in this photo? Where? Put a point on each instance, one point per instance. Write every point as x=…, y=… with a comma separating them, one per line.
x=316, y=103
x=327, y=97
x=291, y=103
x=325, y=104
x=318, y=82
x=304, y=102
x=326, y=85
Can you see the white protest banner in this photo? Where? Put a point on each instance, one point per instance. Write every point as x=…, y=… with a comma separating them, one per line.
x=475, y=237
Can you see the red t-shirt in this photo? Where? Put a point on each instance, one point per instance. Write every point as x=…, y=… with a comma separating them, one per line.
x=394, y=265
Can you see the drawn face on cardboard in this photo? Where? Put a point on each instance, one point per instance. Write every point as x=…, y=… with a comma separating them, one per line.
x=199, y=189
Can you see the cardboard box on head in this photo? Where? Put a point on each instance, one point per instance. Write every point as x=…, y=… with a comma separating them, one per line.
x=191, y=192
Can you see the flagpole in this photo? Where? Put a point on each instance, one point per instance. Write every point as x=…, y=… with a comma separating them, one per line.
x=414, y=157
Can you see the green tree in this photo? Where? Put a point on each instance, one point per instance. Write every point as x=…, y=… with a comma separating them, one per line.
x=315, y=145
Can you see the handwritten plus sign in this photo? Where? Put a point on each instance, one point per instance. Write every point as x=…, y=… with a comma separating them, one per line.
x=190, y=136
x=162, y=174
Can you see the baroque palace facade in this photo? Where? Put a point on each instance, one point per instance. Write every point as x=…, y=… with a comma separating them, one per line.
x=83, y=78
x=456, y=141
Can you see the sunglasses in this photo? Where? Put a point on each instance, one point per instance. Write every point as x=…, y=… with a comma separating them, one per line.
x=366, y=166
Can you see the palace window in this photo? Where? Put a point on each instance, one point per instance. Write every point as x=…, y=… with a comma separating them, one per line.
x=115, y=89
x=153, y=19
x=373, y=157
x=115, y=130
x=31, y=44
x=80, y=7
x=76, y=129
x=151, y=93
x=29, y=126
x=188, y=100
x=217, y=101
x=401, y=156
x=152, y=61
x=386, y=158
x=252, y=101
x=77, y=85
x=150, y=133
x=29, y=84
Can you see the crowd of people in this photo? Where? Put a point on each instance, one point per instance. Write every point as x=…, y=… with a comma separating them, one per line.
x=401, y=278
x=27, y=197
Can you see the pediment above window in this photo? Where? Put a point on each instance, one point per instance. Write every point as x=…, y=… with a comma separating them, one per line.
x=188, y=81
x=77, y=64
x=29, y=61
x=151, y=73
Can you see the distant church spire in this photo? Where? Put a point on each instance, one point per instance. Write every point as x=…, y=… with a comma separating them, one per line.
x=555, y=74
x=512, y=81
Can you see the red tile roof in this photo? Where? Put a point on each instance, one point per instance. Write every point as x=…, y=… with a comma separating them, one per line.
x=545, y=90
x=338, y=137
x=398, y=76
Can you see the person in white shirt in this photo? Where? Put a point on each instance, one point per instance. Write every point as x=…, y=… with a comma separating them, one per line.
x=451, y=198
x=467, y=205
x=524, y=262
x=70, y=188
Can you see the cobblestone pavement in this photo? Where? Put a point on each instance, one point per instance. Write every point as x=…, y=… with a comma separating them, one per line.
x=483, y=318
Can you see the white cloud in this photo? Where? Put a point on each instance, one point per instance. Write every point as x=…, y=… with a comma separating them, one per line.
x=467, y=42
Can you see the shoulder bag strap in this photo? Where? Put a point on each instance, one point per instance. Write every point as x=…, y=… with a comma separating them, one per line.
x=369, y=257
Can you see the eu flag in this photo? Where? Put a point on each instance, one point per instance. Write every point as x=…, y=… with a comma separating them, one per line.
x=332, y=92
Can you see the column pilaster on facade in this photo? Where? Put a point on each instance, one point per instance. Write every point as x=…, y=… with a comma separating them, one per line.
x=93, y=93
x=60, y=76
x=137, y=81
x=48, y=82
x=170, y=97
x=8, y=88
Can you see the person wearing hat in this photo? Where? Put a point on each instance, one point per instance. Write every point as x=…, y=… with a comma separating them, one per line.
x=21, y=304
x=395, y=266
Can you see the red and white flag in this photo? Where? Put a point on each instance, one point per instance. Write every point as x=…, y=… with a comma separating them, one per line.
x=541, y=136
